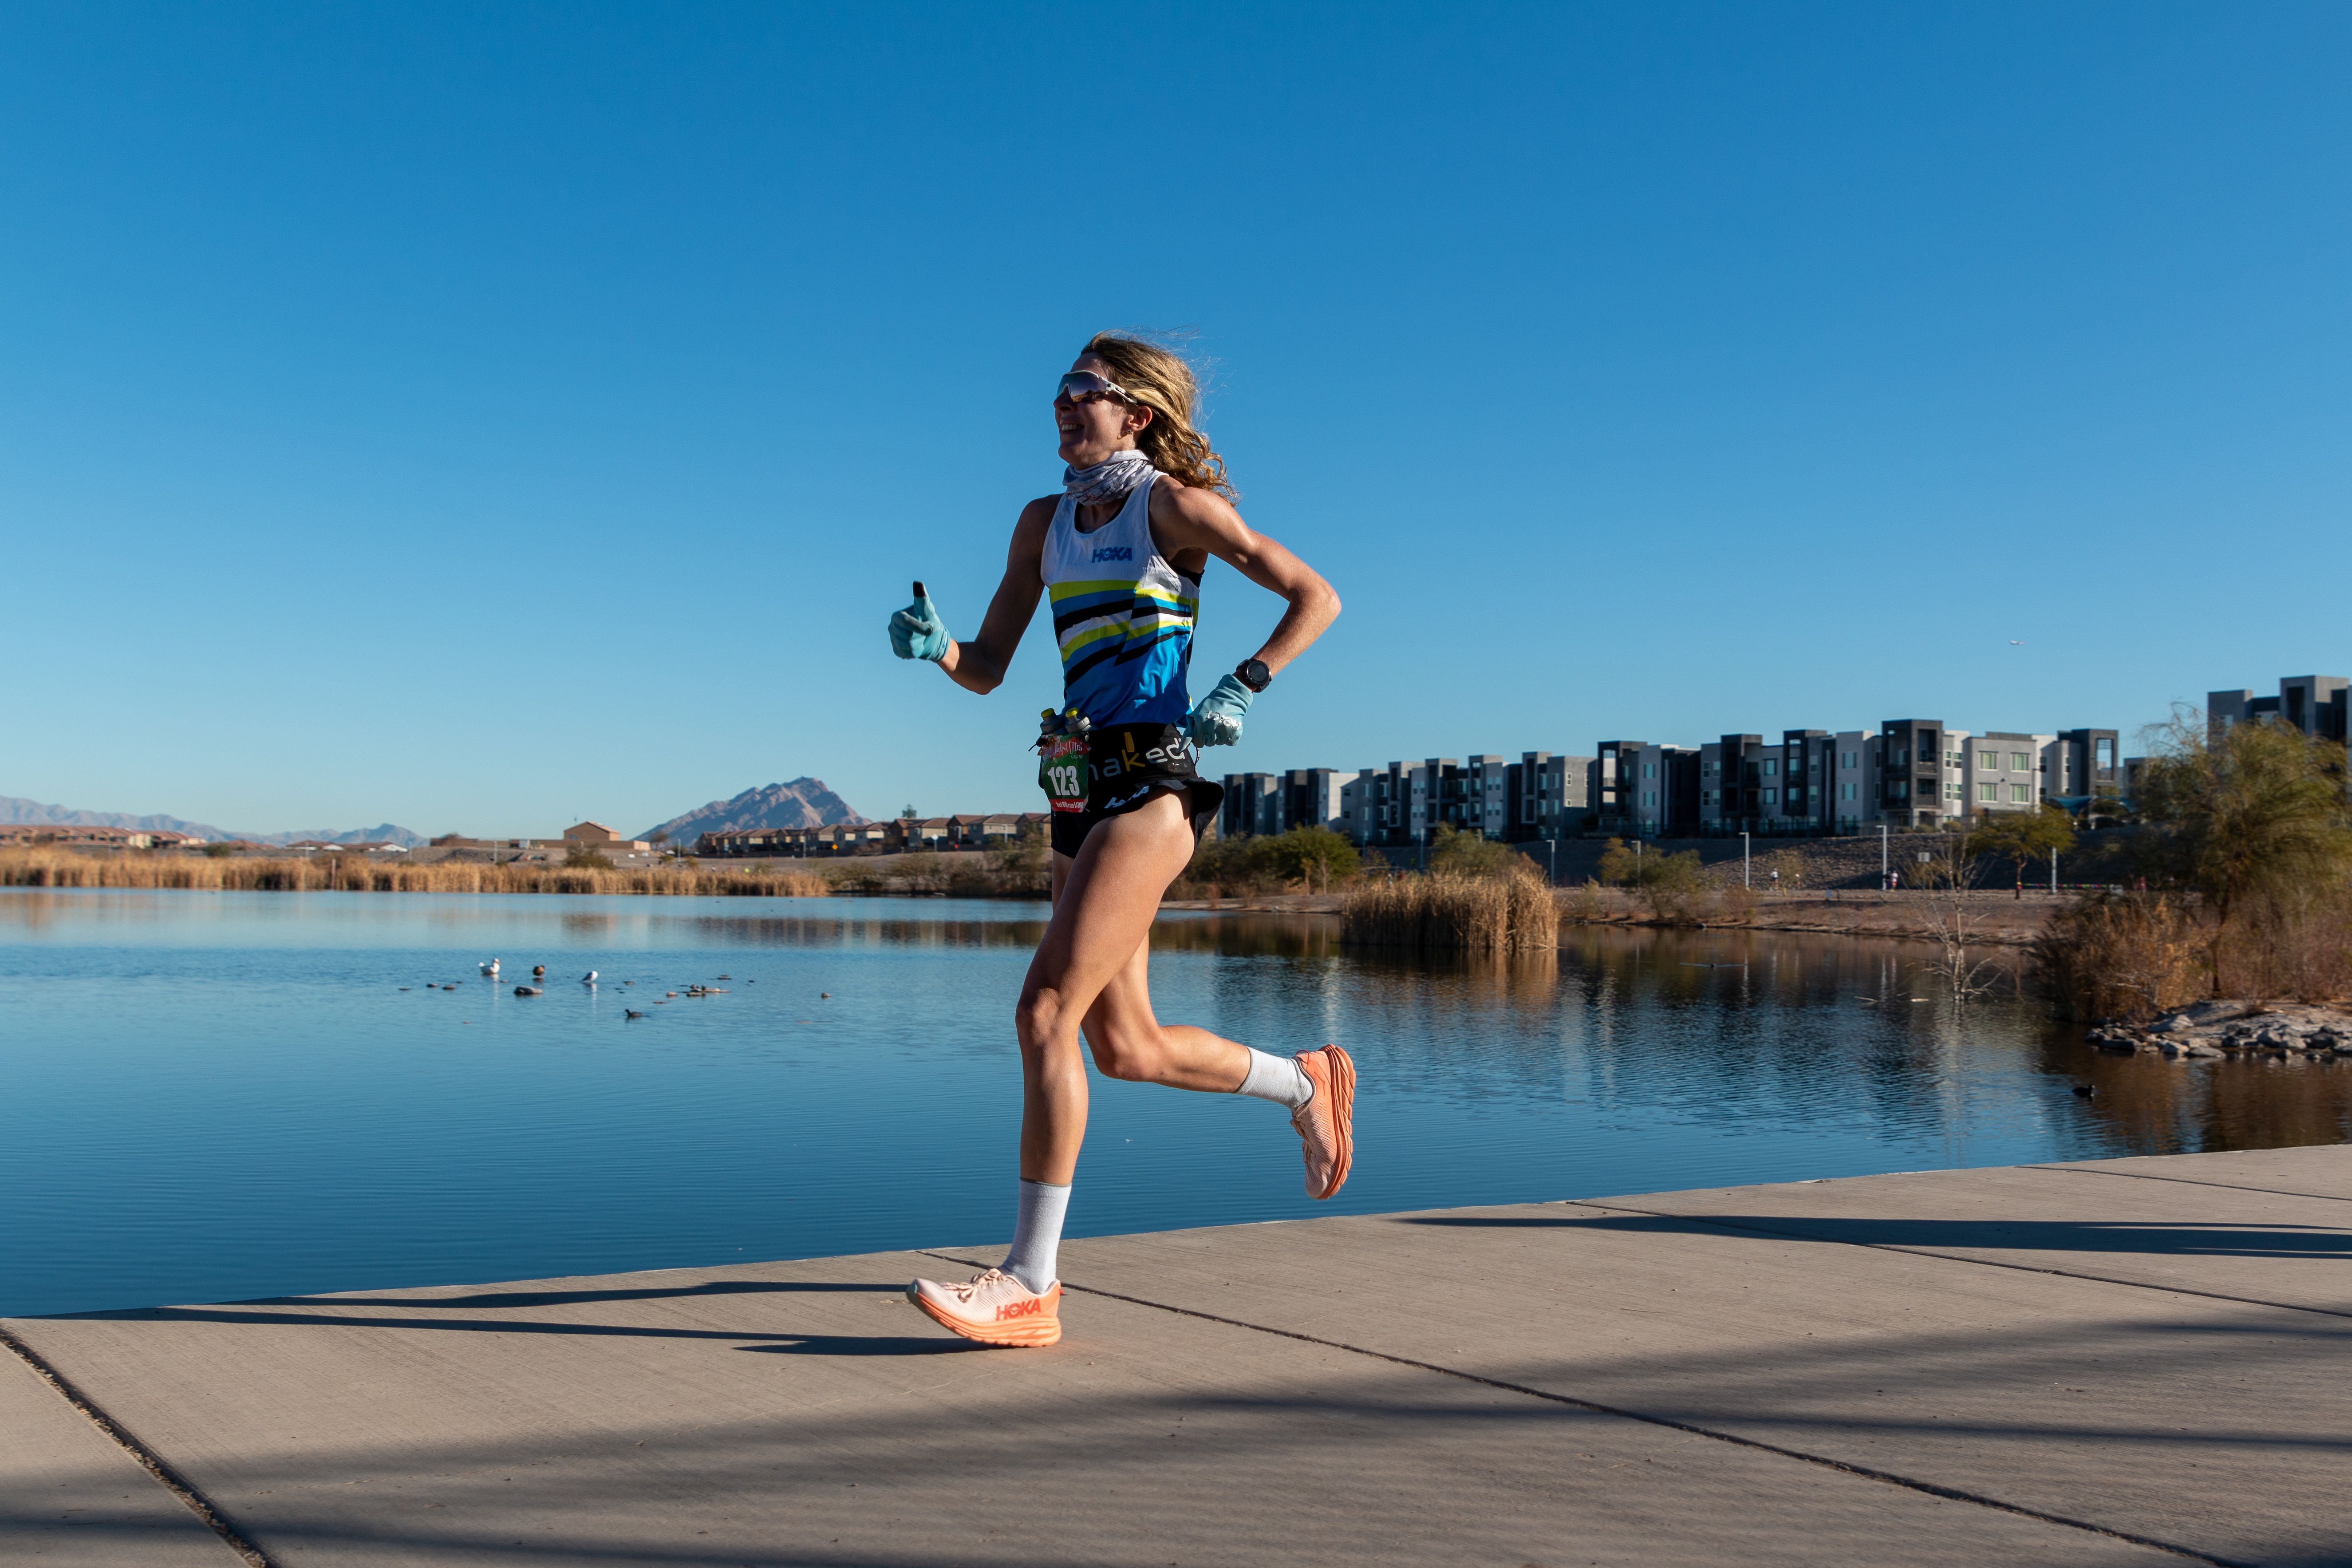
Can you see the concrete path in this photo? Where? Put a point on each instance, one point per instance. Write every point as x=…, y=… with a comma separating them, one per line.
x=2135, y=1362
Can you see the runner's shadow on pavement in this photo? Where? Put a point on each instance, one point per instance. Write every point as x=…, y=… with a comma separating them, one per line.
x=485, y=1299
x=867, y=1346
x=2013, y=1236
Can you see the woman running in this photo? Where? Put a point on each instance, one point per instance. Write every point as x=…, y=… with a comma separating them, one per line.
x=1145, y=504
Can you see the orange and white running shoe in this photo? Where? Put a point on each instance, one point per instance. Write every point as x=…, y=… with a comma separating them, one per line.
x=993, y=1307
x=1327, y=1124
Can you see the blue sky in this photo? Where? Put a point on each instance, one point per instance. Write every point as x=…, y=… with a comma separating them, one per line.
x=482, y=417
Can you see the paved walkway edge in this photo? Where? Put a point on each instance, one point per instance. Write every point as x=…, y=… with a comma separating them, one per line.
x=145, y=1457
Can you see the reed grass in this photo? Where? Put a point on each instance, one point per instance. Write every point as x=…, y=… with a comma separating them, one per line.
x=1513, y=912
x=354, y=873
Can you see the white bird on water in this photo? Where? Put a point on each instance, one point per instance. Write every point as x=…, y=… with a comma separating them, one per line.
x=491, y=968
x=589, y=978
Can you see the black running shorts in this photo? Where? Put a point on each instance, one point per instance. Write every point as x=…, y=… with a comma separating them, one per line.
x=1126, y=764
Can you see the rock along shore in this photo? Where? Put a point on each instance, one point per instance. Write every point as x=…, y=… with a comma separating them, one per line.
x=2235, y=1028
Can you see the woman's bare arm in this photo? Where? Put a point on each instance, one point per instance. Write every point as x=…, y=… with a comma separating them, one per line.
x=979, y=665
x=1185, y=518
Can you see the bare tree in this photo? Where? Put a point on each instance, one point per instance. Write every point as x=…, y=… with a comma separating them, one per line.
x=1963, y=961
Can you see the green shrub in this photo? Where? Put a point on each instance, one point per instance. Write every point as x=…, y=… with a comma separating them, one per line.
x=1459, y=854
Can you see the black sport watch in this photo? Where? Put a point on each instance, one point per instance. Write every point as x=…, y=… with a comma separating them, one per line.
x=1254, y=674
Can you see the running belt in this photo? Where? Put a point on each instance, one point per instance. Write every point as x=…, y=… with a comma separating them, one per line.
x=1122, y=615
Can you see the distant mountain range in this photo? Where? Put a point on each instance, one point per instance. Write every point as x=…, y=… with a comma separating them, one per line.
x=804, y=803
x=16, y=811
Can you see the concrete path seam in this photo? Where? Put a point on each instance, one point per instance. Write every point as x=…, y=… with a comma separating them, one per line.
x=1888, y=1477
x=169, y=1480
x=1724, y=1224
x=2191, y=1182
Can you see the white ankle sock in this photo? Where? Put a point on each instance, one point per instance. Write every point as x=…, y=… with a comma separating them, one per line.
x=1278, y=1078
x=1037, y=1234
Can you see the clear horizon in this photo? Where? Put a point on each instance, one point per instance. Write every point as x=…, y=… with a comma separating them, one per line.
x=477, y=422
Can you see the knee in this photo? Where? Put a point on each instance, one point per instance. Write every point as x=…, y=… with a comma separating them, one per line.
x=1036, y=1015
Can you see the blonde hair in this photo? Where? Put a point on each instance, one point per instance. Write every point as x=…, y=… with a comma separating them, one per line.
x=1163, y=382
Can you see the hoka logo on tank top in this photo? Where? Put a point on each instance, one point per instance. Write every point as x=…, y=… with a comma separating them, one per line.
x=1123, y=616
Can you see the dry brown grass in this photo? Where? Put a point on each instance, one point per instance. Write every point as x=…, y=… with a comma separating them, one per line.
x=2123, y=955
x=355, y=873
x=2133, y=955
x=1511, y=912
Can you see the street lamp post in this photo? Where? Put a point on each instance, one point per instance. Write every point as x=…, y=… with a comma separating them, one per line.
x=1744, y=882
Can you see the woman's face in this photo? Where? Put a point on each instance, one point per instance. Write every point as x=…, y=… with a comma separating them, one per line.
x=1092, y=431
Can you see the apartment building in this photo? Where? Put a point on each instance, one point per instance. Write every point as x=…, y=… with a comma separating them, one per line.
x=1547, y=796
x=2315, y=704
x=1277, y=802
x=2082, y=765
x=2003, y=771
x=1252, y=804
x=1646, y=791
x=1379, y=804
x=1807, y=780
x=1909, y=772
x=1311, y=797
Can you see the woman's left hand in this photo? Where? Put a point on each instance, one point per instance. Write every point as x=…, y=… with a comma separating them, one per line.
x=1216, y=719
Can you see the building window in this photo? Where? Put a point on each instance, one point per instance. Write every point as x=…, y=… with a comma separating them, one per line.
x=1846, y=790
x=1952, y=789
x=1989, y=761
x=1771, y=798
x=1772, y=767
x=1649, y=797
x=1649, y=770
x=1987, y=792
x=2020, y=762
x=2021, y=794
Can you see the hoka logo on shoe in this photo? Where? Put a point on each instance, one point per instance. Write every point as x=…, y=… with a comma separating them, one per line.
x=1032, y=1308
x=1114, y=552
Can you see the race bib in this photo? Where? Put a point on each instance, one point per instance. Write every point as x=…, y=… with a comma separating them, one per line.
x=1062, y=771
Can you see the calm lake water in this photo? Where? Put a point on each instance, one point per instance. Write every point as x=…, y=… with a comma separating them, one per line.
x=209, y=1097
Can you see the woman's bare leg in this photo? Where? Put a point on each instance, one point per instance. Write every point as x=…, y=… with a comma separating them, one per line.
x=1103, y=908
x=1091, y=972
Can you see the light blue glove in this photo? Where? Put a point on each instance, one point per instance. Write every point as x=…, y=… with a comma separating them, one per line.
x=1216, y=719
x=917, y=631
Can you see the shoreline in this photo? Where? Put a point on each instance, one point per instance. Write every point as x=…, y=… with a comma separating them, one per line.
x=2000, y=919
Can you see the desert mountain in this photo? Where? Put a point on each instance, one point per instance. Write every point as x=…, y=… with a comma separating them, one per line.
x=804, y=803
x=16, y=810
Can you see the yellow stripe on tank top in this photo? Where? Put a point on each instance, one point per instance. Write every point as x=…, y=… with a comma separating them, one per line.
x=1080, y=640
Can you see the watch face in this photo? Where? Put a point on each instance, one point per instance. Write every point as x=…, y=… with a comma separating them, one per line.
x=1254, y=675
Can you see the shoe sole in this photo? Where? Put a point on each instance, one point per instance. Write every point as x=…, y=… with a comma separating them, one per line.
x=1029, y=1333
x=1343, y=1117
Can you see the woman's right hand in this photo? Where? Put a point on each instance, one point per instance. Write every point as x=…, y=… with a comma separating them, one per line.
x=917, y=631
